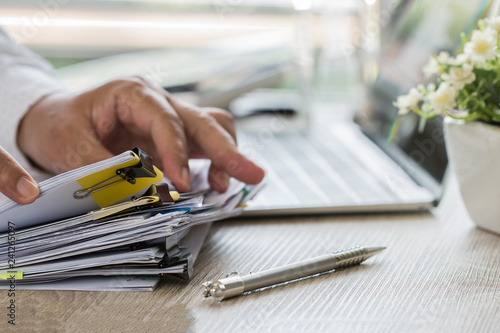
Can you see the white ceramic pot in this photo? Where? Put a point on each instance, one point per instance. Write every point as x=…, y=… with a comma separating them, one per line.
x=474, y=153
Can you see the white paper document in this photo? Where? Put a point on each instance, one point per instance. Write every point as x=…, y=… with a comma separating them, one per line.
x=131, y=249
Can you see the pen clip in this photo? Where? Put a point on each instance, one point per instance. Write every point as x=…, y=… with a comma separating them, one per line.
x=233, y=273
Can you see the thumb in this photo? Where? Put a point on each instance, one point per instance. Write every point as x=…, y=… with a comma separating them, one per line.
x=15, y=182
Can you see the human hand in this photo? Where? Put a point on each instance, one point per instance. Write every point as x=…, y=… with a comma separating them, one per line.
x=64, y=131
x=15, y=182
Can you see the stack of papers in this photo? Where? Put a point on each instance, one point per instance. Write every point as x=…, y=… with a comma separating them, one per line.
x=81, y=190
x=125, y=246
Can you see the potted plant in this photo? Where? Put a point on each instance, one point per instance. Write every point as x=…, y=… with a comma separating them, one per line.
x=466, y=91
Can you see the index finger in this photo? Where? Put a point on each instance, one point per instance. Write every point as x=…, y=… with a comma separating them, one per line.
x=216, y=143
x=152, y=117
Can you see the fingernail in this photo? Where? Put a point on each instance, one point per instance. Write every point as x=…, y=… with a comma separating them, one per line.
x=185, y=177
x=27, y=189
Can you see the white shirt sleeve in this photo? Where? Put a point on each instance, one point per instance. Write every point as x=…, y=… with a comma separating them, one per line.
x=24, y=79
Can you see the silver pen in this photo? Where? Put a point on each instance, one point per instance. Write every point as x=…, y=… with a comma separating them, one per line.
x=235, y=285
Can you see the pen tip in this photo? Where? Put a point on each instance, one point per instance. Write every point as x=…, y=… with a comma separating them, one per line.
x=373, y=250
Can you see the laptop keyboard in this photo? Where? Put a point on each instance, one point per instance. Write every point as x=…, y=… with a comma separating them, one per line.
x=327, y=167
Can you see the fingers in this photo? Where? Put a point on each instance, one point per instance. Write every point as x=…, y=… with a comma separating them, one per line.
x=15, y=182
x=146, y=113
x=171, y=145
x=224, y=118
x=179, y=129
x=217, y=143
x=65, y=131
x=218, y=179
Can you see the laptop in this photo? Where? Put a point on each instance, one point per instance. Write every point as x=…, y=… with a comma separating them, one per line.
x=349, y=166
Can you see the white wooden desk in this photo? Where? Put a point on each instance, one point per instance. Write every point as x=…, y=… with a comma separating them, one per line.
x=438, y=274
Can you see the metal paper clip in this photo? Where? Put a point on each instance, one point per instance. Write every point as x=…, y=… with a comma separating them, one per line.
x=124, y=174
x=124, y=206
x=143, y=169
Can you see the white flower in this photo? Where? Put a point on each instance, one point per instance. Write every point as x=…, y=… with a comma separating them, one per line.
x=443, y=98
x=458, y=77
x=435, y=64
x=432, y=68
x=493, y=23
x=459, y=60
x=443, y=57
x=482, y=46
x=407, y=102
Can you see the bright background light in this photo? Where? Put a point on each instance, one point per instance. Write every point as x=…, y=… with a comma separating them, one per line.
x=302, y=4
x=83, y=29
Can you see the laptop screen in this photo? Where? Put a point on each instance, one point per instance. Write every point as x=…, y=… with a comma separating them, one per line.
x=417, y=29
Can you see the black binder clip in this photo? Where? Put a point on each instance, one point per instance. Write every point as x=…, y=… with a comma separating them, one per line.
x=142, y=170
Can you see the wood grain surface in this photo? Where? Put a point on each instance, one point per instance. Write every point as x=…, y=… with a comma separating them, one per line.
x=438, y=274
